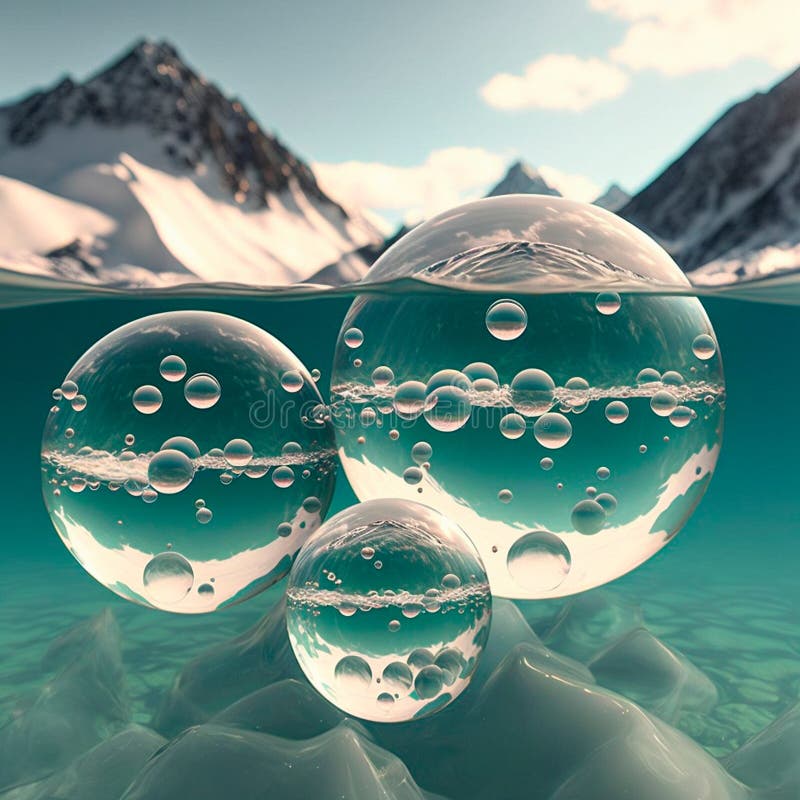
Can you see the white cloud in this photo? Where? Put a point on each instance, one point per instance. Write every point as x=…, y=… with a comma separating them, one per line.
x=556, y=81
x=679, y=37
x=447, y=177
x=571, y=185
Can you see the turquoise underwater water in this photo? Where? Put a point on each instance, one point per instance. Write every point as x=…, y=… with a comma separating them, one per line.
x=724, y=593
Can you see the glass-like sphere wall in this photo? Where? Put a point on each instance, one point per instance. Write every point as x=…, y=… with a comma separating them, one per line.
x=388, y=610
x=570, y=433
x=186, y=460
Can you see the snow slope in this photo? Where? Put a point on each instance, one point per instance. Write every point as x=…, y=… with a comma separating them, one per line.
x=147, y=174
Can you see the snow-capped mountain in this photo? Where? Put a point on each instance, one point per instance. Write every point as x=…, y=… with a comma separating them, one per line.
x=612, y=198
x=729, y=207
x=147, y=174
x=521, y=178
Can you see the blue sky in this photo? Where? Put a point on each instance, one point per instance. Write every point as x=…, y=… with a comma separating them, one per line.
x=406, y=107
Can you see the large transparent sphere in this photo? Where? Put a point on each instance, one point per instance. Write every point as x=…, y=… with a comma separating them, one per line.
x=186, y=460
x=538, y=385
x=388, y=610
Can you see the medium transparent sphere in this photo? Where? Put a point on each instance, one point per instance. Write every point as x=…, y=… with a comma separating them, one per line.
x=388, y=610
x=186, y=460
x=539, y=386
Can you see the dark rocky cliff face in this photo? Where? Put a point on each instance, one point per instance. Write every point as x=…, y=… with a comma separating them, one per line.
x=736, y=189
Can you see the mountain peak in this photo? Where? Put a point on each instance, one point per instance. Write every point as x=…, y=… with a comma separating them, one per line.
x=147, y=174
x=520, y=167
x=197, y=126
x=146, y=54
x=613, y=198
x=148, y=47
x=522, y=178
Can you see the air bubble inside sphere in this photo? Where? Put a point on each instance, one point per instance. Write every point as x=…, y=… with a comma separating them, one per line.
x=174, y=485
x=388, y=610
x=599, y=358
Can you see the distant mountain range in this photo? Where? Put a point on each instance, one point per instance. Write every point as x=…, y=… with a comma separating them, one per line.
x=522, y=178
x=148, y=175
x=730, y=205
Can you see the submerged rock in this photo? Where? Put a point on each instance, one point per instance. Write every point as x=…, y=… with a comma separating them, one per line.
x=510, y=628
x=103, y=773
x=426, y=743
x=80, y=705
x=660, y=679
x=533, y=731
x=533, y=725
x=590, y=622
x=213, y=761
x=227, y=672
x=290, y=709
x=770, y=761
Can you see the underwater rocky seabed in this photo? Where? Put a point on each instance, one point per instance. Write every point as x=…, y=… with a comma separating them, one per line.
x=679, y=680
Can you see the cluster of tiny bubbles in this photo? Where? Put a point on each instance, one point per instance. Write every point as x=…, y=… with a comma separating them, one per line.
x=537, y=387
x=388, y=610
x=178, y=417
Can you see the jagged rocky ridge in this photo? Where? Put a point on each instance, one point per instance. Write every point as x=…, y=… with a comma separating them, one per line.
x=152, y=86
x=729, y=206
x=535, y=723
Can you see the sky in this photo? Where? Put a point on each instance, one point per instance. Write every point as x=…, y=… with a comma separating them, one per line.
x=407, y=108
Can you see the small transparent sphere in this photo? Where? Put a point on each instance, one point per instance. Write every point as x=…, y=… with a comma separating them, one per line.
x=388, y=610
x=506, y=319
x=558, y=342
x=178, y=463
